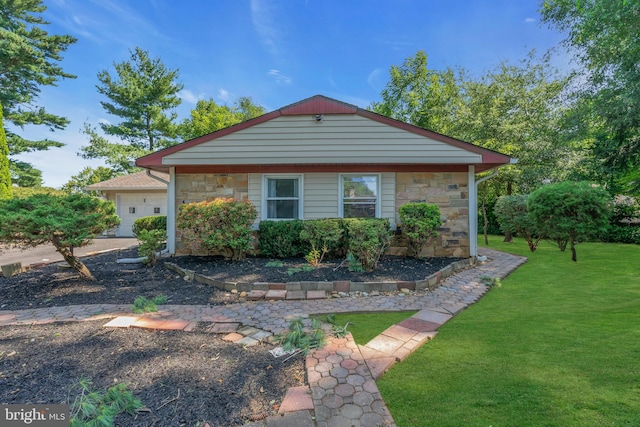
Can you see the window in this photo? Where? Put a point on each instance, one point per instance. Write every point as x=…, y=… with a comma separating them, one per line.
x=156, y=210
x=282, y=197
x=359, y=196
x=132, y=210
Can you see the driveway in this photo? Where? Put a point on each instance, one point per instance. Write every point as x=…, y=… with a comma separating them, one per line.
x=47, y=253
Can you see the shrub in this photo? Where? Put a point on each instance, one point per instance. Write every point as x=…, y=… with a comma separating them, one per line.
x=368, y=239
x=149, y=223
x=151, y=242
x=281, y=239
x=223, y=225
x=324, y=236
x=144, y=305
x=420, y=222
x=513, y=216
x=574, y=211
x=622, y=226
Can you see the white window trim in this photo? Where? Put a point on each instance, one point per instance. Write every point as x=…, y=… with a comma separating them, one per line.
x=300, y=178
x=341, y=191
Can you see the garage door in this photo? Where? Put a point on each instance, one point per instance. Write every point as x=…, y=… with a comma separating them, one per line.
x=133, y=206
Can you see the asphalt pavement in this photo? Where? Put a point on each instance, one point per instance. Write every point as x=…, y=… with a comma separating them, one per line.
x=48, y=254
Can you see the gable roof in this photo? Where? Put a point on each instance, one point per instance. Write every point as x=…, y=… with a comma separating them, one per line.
x=318, y=106
x=134, y=181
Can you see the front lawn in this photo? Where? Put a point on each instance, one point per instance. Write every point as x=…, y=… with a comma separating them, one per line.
x=558, y=344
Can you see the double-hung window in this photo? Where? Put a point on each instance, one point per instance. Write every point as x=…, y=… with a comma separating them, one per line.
x=282, y=197
x=360, y=196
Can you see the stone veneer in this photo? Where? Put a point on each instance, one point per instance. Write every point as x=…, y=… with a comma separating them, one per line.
x=199, y=187
x=448, y=190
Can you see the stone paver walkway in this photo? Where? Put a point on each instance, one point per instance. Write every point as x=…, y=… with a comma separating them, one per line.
x=342, y=389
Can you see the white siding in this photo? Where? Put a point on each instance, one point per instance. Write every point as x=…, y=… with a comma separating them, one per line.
x=340, y=138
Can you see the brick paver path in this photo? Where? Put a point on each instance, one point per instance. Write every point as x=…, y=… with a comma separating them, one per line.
x=341, y=375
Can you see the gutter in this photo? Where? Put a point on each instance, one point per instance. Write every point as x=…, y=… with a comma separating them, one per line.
x=157, y=178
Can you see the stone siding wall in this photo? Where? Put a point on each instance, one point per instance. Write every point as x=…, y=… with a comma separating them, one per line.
x=199, y=187
x=450, y=191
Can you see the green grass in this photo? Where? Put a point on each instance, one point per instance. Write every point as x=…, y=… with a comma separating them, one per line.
x=558, y=344
x=366, y=326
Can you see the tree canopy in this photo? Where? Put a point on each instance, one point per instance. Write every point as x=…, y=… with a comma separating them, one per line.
x=208, y=116
x=29, y=58
x=143, y=94
x=87, y=176
x=605, y=35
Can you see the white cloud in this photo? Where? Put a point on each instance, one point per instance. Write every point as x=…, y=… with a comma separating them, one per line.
x=529, y=20
x=279, y=77
x=188, y=96
x=263, y=22
x=224, y=95
x=374, y=78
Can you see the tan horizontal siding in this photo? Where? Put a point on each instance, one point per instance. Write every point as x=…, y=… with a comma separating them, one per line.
x=388, y=197
x=320, y=195
x=338, y=139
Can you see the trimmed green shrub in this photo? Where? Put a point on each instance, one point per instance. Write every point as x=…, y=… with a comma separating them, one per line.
x=223, y=225
x=324, y=236
x=573, y=211
x=151, y=242
x=149, y=223
x=420, y=222
x=368, y=239
x=281, y=239
x=623, y=226
x=513, y=216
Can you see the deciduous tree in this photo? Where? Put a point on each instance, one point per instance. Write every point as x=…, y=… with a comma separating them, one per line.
x=570, y=211
x=67, y=222
x=29, y=58
x=605, y=34
x=87, y=176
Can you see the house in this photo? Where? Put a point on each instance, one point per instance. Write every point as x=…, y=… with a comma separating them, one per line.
x=321, y=158
x=135, y=195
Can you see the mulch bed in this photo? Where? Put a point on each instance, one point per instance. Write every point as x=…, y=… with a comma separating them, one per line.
x=219, y=382
x=183, y=378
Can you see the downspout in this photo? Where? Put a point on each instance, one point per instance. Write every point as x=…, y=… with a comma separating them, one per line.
x=473, y=201
x=157, y=178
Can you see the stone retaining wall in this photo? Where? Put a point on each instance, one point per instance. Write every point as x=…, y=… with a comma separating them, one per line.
x=428, y=283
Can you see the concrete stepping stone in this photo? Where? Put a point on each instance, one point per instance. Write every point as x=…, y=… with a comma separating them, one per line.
x=380, y=365
x=316, y=294
x=432, y=316
x=385, y=344
x=233, y=337
x=246, y=331
x=295, y=295
x=160, y=324
x=419, y=325
x=121, y=322
x=248, y=341
x=399, y=332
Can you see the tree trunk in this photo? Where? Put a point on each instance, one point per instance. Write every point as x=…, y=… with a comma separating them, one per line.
x=508, y=236
x=574, y=256
x=74, y=262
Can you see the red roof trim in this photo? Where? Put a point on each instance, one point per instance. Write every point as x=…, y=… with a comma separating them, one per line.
x=320, y=104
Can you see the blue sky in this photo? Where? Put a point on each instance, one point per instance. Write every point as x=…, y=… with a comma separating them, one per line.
x=274, y=51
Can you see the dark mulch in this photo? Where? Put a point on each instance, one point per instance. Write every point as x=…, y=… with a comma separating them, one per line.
x=184, y=378
x=121, y=283
x=220, y=383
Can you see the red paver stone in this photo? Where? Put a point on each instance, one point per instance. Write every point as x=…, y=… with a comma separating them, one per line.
x=380, y=365
x=418, y=325
x=191, y=327
x=223, y=328
x=278, y=286
x=161, y=324
x=233, y=337
x=255, y=295
x=399, y=332
x=296, y=399
x=275, y=294
x=341, y=286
